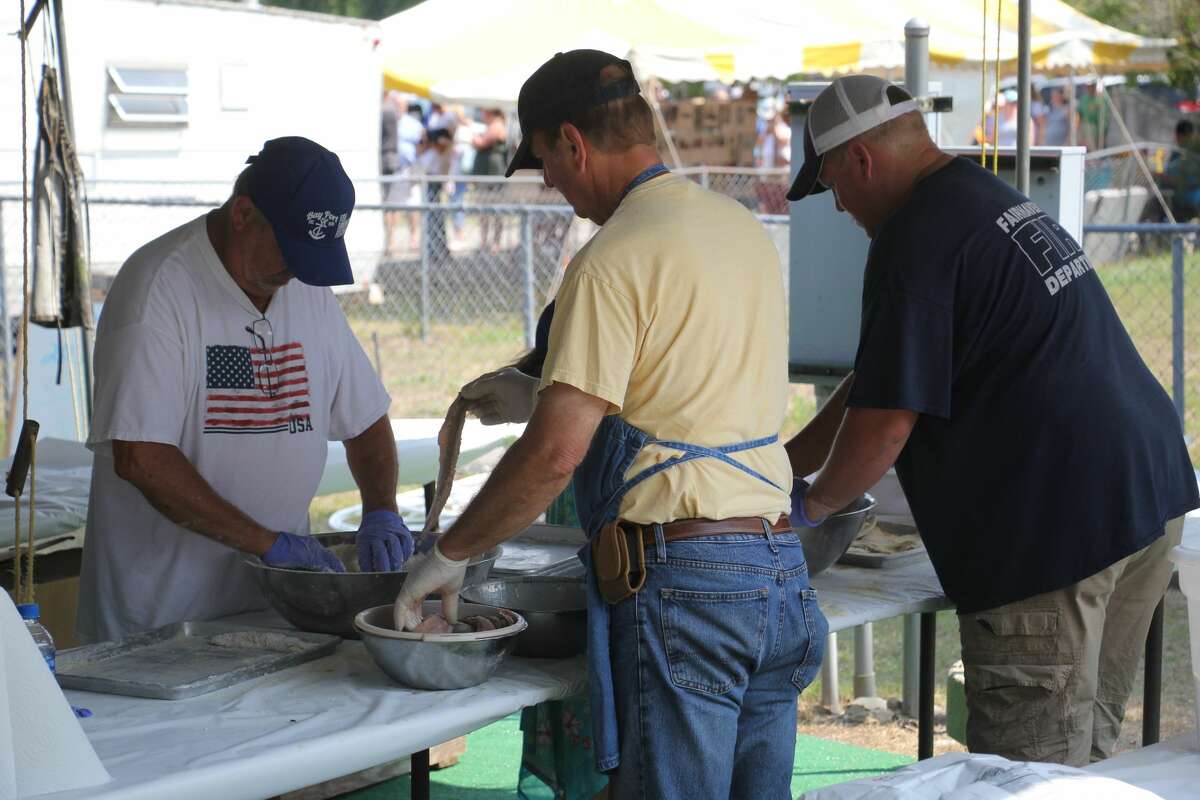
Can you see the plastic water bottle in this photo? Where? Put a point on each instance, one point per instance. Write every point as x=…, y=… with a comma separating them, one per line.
x=41, y=637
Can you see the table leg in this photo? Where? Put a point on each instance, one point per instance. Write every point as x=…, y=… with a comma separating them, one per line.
x=912, y=664
x=420, y=776
x=925, y=709
x=1152, y=689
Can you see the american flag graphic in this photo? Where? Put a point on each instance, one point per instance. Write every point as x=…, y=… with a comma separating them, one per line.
x=251, y=390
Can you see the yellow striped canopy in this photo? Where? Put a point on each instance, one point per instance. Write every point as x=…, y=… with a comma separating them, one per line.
x=480, y=51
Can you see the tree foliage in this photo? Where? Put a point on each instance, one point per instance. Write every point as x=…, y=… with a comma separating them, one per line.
x=1177, y=19
x=364, y=9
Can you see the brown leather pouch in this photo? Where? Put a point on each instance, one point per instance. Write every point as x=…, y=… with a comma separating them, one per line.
x=619, y=560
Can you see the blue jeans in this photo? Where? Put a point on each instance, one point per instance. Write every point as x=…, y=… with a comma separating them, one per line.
x=708, y=660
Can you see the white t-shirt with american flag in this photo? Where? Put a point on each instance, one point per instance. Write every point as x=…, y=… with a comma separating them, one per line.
x=184, y=358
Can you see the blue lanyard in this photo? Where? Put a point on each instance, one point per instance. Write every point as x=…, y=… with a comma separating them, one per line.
x=643, y=176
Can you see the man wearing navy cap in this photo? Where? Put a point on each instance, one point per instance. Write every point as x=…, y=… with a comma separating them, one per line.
x=1044, y=464
x=219, y=382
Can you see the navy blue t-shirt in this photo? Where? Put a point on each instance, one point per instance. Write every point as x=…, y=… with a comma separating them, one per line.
x=1045, y=449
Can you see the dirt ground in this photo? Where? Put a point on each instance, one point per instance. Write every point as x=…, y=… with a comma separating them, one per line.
x=900, y=736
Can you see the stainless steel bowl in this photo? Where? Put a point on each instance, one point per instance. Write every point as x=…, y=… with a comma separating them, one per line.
x=826, y=543
x=555, y=608
x=326, y=602
x=436, y=660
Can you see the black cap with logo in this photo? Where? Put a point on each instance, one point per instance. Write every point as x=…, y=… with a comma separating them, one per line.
x=560, y=90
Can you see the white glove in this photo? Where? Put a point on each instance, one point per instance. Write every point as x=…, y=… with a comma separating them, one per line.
x=429, y=573
x=506, y=395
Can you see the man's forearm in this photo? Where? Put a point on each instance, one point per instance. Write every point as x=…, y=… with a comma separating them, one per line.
x=868, y=443
x=519, y=489
x=532, y=473
x=165, y=477
x=372, y=459
x=809, y=449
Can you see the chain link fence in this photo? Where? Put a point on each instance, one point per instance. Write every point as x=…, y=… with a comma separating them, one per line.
x=1154, y=283
x=450, y=281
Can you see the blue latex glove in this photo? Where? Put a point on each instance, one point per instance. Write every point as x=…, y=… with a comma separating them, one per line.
x=799, y=515
x=384, y=542
x=301, y=552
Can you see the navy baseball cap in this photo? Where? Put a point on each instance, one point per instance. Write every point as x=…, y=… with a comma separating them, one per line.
x=560, y=90
x=302, y=190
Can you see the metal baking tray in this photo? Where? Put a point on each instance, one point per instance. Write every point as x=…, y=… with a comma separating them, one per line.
x=871, y=560
x=181, y=660
x=542, y=549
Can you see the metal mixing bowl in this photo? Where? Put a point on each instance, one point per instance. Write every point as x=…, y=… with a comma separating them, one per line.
x=826, y=543
x=555, y=608
x=436, y=660
x=326, y=602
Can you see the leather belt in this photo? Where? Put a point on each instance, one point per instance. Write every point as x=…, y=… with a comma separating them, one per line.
x=691, y=528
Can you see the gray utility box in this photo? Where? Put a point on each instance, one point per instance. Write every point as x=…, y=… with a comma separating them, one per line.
x=828, y=251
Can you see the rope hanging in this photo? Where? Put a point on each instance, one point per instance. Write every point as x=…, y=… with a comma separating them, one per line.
x=983, y=92
x=996, y=100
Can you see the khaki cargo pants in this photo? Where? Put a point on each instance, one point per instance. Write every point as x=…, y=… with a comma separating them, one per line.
x=1047, y=678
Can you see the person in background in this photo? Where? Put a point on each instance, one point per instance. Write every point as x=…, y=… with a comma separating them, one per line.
x=389, y=160
x=1087, y=104
x=441, y=117
x=435, y=160
x=491, y=158
x=1038, y=109
x=464, y=159
x=410, y=132
x=1182, y=174
x=1044, y=464
x=774, y=152
x=1056, y=128
x=220, y=381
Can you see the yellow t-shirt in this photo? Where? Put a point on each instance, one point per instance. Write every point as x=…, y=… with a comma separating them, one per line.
x=675, y=314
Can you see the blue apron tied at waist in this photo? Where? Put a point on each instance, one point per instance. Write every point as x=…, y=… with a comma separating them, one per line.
x=599, y=486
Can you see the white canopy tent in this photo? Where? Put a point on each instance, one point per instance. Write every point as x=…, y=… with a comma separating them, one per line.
x=481, y=53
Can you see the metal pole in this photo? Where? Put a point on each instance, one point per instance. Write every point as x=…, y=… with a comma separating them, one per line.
x=1072, y=107
x=86, y=334
x=916, y=57
x=60, y=33
x=419, y=767
x=829, y=676
x=378, y=356
x=527, y=247
x=911, y=691
x=1152, y=688
x=925, y=713
x=7, y=333
x=424, y=280
x=864, y=661
x=1024, y=81
x=1177, y=366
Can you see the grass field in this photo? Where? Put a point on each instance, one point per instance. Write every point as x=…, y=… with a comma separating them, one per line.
x=1140, y=289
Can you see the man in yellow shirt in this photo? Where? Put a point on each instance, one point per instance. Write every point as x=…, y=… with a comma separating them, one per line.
x=662, y=394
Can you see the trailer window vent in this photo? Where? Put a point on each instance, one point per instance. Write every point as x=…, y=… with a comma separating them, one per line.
x=147, y=96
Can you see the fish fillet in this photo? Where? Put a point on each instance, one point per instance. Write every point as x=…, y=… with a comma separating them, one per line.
x=449, y=444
